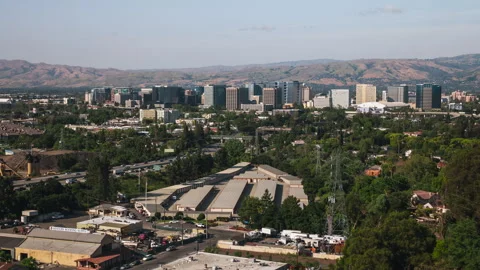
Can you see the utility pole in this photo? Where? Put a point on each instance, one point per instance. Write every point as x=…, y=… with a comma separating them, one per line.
x=146, y=189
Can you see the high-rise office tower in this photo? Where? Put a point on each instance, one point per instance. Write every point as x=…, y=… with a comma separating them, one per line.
x=291, y=92
x=253, y=90
x=215, y=95
x=398, y=93
x=272, y=96
x=429, y=96
x=168, y=95
x=340, y=98
x=365, y=93
x=125, y=91
x=235, y=97
x=307, y=93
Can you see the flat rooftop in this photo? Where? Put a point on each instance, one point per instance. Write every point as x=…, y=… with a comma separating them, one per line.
x=251, y=175
x=298, y=193
x=224, y=262
x=261, y=186
x=110, y=220
x=194, y=197
x=272, y=170
x=230, y=195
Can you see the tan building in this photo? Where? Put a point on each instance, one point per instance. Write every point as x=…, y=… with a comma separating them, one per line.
x=272, y=96
x=236, y=96
x=307, y=93
x=366, y=93
x=148, y=114
x=63, y=247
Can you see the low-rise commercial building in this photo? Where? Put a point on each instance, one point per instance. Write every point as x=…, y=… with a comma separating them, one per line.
x=115, y=226
x=291, y=180
x=108, y=210
x=62, y=247
x=8, y=242
x=229, y=198
x=193, y=199
x=203, y=260
x=252, y=177
x=266, y=185
x=274, y=173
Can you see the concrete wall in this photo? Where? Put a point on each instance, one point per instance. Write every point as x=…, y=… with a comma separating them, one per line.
x=324, y=256
x=49, y=257
x=263, y=249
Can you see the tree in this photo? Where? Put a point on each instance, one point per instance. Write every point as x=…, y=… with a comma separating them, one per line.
x=463, y=245
x=5, y=256
x=268, y=210
x=30, y=263
x=235, y=151
x=290, y=212
x=98, y=178
x=397, y=243
x=7, y=196
x=201, y=216
x=249, y=212
x=462, y=187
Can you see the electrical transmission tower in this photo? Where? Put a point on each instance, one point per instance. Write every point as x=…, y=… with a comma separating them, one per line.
x=337, y=222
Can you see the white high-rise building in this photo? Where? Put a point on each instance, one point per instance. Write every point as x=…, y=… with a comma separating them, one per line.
x=340, y=98
x=384, y=95
x=365, y=93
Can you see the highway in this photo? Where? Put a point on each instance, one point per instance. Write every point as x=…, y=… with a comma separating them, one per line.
x=76, y=175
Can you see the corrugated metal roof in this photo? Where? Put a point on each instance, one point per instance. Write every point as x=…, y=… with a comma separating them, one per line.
x=68, y=236
x=230, y=194
x=194, y=197
x=269, y=185
x=10, y=242
x=54, y=245
x=272, y=170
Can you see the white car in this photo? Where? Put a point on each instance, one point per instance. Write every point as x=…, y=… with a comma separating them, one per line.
x=174, y=221
x=200, y=225
x=58, y=216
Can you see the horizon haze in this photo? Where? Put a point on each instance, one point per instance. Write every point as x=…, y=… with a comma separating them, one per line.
x=191, y=34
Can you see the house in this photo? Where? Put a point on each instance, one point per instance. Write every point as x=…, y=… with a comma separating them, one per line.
x=298, y=142
x=375, y=171
x=108, y=210
x=428, y=199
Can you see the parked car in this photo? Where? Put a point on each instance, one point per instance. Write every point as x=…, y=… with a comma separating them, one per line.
x=136, y=262
x=171, y=248
x=148, y=257
x=174, y=221
x=125, y=266
x=200, y=225
x=71, y=181
x=58, y=216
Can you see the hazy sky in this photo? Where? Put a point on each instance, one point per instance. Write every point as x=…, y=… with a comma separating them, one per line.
x=141, y=34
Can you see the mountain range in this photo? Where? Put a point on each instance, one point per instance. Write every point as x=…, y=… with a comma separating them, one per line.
x=462, y=72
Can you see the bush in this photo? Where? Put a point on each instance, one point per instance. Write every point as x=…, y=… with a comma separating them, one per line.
x=201, y=217
x=237, y=254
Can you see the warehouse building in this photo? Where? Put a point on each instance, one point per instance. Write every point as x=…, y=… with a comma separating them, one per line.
x=114, y=226
x=252, y=176
x=292, y=181
x=63, y=247
x=228, y=199
x=271, y=171
x=261, y=186
x=8, y=242
x=299, y=193
x=193, y=199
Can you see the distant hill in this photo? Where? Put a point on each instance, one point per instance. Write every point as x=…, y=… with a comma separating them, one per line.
x=455, y=72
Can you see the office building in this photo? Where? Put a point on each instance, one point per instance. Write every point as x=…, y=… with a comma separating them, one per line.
x=340, y=98
x=148, y=115
x=236, y=96
x=429, y=96
x=307, y=93
x=291, y=92
x=168, y=95
x=272, y=96
x=320, y=102
x=145, y=96
x=253, y=90
x=167, y=116
x=365, y=93
x=256, y=107
x=191, y=97
x=384, y=96
x=215, y=95
x=120, y=98
x=397, y=93
x=118, y=90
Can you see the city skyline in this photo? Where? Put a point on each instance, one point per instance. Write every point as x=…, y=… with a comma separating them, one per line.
x=167, y=35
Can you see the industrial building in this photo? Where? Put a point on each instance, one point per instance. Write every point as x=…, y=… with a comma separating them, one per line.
x=203, y=260
x=271, y=171
x=115, y=226
x=262, y=186
x=291, y=180
x=252, y=176
x=193, y=199
x=8, y=242
x=229, y=198
x=63, y=247
x=298, y=193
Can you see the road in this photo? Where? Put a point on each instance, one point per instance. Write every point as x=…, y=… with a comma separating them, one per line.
x=62, y=177
x=183, y=251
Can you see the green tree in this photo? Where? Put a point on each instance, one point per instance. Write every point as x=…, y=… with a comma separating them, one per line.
x=6, y=196
x=462, y=186
x=463, y=245
x=291, y=211
x=250, y=212
x=397, y=243
x=98, y=178
x=5, y=256
x=235, y=151
x=201, y=216
x=30, y=263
